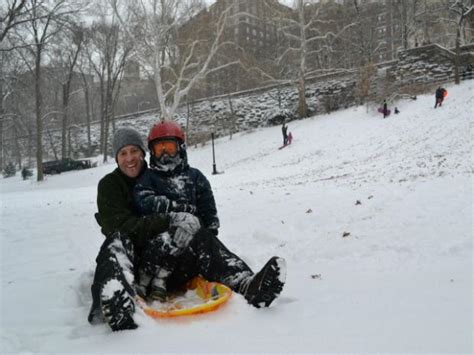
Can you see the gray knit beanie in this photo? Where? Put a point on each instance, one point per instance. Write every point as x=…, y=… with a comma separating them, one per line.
x=127, y=136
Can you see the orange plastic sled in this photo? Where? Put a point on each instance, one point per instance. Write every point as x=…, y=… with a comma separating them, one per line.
x=206, y=297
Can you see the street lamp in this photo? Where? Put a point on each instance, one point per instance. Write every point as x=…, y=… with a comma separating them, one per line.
x=214, y=169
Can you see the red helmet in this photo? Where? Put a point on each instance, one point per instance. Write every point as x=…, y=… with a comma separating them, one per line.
x=166, y=129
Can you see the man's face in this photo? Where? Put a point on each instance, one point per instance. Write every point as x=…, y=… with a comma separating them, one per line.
x=130, y=160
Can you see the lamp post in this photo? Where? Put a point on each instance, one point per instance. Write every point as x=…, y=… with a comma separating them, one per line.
x=214, y=170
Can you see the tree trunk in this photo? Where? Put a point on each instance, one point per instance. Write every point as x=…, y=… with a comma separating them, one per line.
x=88, y=114
x=102, y=116
x=51, y=142
x=30, y=147
x=457, y=57
x=302, y=107
x=1, y=140
x=64, y=127
x=2, y=113
x=232, y=117
x=108, y=114
x=39, y=120
x=187, y=122
x=17, y=147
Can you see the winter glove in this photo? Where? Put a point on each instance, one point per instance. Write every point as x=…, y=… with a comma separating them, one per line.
x=186, y=221
x=182, y=238
x=149, y=202
x=182, y=207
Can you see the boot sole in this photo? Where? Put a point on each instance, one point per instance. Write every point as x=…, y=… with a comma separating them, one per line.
x=272, y=283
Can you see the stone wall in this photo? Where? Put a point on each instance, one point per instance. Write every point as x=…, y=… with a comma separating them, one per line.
x=430, y=63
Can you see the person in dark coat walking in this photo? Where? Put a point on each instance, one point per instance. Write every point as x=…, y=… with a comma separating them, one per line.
x=130, y=245
x=284, y=131
x=439, y=96
x=385, y=109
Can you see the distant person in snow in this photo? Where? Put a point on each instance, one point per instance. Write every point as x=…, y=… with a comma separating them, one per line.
x=385, y=109
x=290, y=138
x=284, y=131
x=396, y=110
x=439, y=96
x=135, y=238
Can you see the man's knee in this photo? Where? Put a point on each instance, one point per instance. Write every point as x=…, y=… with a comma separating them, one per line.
x=206, y=239
x=117, y=243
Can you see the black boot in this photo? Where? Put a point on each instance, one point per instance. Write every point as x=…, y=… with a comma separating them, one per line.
x=261, y=289
x=118, y=308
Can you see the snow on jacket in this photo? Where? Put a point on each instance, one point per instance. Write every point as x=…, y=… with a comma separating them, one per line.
x=117, y=210
x=184, y=189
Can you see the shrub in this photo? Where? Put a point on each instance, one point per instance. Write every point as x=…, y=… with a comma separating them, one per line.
x=26, y=173
x=9, y=170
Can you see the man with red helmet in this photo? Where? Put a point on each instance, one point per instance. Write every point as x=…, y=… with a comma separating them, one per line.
x=190, y=246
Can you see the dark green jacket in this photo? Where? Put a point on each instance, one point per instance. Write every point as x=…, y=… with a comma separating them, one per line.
x=117, y=211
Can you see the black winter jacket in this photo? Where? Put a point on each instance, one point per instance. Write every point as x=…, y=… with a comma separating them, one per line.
x=117, y=210
x=185, y=186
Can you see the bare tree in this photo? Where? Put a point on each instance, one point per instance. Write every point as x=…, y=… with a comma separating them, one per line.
x=108, y=53
x=64, y=55
x=305, y=38
x=86, y=83
x=12, y=14
x=460, y=10
x=175, y=67
x=5, y=92
x=47, y=20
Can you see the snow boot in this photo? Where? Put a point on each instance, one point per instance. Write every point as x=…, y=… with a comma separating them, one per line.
x=158, y=291
x=117, y=306
x=261, y=289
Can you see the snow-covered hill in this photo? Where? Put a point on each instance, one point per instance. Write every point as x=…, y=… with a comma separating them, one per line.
x=373, y=216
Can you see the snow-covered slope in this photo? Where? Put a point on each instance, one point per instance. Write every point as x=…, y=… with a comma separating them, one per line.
x=390, y=273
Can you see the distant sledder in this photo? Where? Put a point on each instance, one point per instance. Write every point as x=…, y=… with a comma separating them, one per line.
x=440, y=95
x=287, y=137
x=384, y=109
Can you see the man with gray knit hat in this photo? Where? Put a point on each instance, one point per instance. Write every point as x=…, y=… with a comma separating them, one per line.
x=127, y=136
x=133, y=245
x=126, y=232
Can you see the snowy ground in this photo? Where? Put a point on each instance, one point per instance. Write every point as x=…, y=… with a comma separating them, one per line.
x=401, y=281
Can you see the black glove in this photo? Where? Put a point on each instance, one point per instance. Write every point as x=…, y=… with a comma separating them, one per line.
x=149, y=202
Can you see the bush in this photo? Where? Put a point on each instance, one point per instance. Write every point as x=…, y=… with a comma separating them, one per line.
x=26, y=173
x=9, y=170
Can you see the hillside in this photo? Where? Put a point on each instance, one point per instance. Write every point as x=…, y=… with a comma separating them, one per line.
x=400, y=281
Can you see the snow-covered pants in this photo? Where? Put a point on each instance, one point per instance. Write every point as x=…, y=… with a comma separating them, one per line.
x=206, y=256
x=115, y=261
